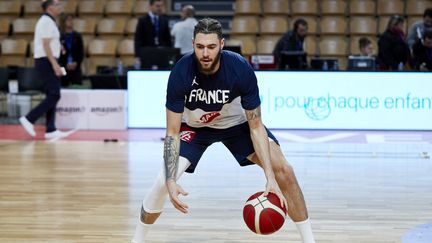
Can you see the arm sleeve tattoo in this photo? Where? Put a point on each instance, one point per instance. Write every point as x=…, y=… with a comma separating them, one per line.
x=252, y=114
x=171, y=156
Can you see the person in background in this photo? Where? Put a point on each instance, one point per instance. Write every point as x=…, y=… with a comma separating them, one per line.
x=46, y=52
x=422, y=53
x=182, y=31
x=72, y=52
x=366, y=47
x=292, y=42
x=393, y=50
x=152, y=30
x=418, y=28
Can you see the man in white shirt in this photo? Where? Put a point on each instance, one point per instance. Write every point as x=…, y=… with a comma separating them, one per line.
x=183, y=31
x=46, y=52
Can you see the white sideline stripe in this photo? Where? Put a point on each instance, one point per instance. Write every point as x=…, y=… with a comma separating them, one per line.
x=320, y=139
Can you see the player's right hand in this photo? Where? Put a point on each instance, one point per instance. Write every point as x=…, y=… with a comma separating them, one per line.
x=174, y=190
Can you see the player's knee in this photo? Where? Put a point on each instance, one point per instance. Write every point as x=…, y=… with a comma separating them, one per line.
x=285, y=172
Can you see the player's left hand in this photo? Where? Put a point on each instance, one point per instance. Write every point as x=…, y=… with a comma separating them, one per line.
x=272, y=186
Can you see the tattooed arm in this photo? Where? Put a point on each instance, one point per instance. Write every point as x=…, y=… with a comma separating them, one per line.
x=171, y=158
x=261, y=146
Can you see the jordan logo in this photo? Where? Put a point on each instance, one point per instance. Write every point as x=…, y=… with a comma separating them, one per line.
x=194, y=81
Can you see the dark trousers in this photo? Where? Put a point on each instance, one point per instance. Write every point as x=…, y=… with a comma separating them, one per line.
x=52, y=91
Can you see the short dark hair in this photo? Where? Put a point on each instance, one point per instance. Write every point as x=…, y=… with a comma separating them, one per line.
x=427, y=34
x=299, y=22
x=151, y=2
x=364, y=42
x=208, y=26
x=46, y=4
x=428, y=12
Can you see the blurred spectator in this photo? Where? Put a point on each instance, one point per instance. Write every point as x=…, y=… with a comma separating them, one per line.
x=417, y=29
x=152, y=29
x=393, y=50
x=422, y=53
x=292, y=42
x=182, y=31
x=72, y=53
x=366, y=47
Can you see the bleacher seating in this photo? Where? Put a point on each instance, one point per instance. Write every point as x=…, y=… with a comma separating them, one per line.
x=101, y=53
x=32, y=8
x=13, y=52
x=417, y=7
x=247, y=7
x=275, y=7
x=10, y=9
x=362, y=7
x=4, y=28
x=23, y=28
x=304, y=7
x=254, y=24
x=108, y=28
x=333, y=7
x=126, y=52
x=390, y=7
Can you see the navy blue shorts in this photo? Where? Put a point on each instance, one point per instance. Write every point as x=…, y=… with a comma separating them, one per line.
x=194, y=141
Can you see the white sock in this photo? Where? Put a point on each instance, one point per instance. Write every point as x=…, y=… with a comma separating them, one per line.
x=305, y=230
x=141, y=231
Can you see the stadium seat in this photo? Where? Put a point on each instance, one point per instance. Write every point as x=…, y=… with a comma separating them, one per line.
x=4, y=28
x=279, y=7
x=10, y=9
x=333, y=7
x=126, y=52
x=86, y=27
x=247, y=7
x=131, y=26
x=13, y=52
x=362, y=7
x=333, y=25
x=354, y=46
x=244, y=25
x=91, y=9
x=32, y=9
x=23, y=28
x=333, y=46
x=310, y=46
x=108, y=28
x=118, y=9
x=363, y=25
x=417, y=7
x=247, y=43
x=101, y=53
x=390, y=7
x=266, y=45
x=140, y=8
x=304, y=7
x=274, y=25
x=70, y=6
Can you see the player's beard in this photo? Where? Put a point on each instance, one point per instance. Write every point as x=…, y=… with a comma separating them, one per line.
x=211, y=69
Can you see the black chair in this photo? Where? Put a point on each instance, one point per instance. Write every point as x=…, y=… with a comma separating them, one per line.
x=29, y=81
x=4, y=79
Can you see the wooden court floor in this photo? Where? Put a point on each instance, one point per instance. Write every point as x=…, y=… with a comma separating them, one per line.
x=91, y=191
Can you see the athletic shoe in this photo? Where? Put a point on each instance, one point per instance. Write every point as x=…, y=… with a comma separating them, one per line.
x=56, y=135
x=27, y=126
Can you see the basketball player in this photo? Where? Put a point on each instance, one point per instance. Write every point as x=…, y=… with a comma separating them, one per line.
x=212, y=96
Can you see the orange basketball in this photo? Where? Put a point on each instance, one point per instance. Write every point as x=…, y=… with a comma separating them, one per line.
x=264, y=215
